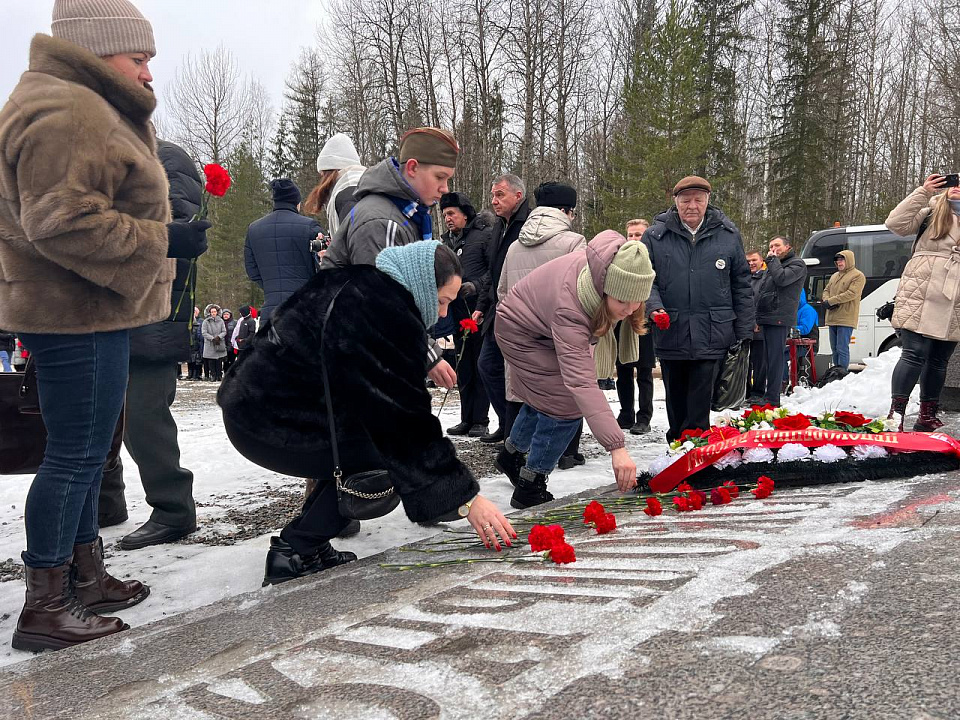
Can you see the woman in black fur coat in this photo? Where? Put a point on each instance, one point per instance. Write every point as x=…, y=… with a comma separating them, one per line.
x=274, y=408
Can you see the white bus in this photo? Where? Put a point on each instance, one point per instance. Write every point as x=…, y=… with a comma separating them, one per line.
x=881, y=256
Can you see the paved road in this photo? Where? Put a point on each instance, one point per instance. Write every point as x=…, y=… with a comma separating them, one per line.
x=832, y=602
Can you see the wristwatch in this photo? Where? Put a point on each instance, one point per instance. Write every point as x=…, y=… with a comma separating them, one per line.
x=464, y=509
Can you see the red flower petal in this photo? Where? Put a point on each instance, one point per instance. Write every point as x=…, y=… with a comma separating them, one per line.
x=731, y=487
x=792, y=422
x=593, y=511
x=562, y=554
x=653, y=507
x=684, y=487
x=606, y=524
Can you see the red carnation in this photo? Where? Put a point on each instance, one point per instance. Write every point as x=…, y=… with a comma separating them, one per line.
x=697, y=499
x=852, y=419
x=218, y=179
x=562, y=554
x=731, y=487
x=541, y=538
x=765, y=481
x=592, y=512
x=762, y=491
x=661, y=319
x=468, y=325
x=792, y=422
x=653, y=507
x=684, y=487
x=682, y=504
x=607, y=523
x=720, y=496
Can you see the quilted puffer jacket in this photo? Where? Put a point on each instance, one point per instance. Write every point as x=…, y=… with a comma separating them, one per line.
x=277, y=254
x=928, y=298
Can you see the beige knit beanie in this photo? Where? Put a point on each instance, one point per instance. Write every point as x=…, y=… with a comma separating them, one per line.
x=104, y=27
x=630, y=275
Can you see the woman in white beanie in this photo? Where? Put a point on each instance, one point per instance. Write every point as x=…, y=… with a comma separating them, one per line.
x=84, y=238
x=340, y=170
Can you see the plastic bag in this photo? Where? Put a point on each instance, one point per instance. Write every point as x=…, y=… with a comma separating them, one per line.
x=730, y=389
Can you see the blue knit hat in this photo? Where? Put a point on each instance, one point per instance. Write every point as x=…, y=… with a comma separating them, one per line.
x=413, y=266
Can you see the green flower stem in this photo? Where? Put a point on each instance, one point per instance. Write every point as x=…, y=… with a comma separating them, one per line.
x=456, y=369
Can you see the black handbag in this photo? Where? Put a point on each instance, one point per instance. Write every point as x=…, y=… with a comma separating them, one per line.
x=23, y=436
x=363, y=495
x=885, y=311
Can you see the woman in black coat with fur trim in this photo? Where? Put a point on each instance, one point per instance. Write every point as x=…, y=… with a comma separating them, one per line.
x=274, y=408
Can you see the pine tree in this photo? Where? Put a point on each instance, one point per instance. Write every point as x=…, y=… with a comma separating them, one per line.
x=663, y=136
x=279, y=163
x=305, y=110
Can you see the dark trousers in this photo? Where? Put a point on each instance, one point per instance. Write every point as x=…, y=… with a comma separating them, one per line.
x=229, y=359
x=689, y=389
x=644, y=392
x=757, y=380
x=924, y=359
x=490, y=367
x=81, y=381
x=195, y=370
x=319, y=519
x=150, y=436
x=213, y=368
x=774, y=341
x=474, y=405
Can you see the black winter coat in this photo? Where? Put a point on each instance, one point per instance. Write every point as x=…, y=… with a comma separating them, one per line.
x=248, y=329
x=503, y=235
x=374, y=354
x=471, y=247
x=169, y=340
x=277, y=254
x=704, y=286
x=756, y=283
x=780, y=290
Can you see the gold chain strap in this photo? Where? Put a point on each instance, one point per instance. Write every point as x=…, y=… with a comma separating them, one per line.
x=366, y=496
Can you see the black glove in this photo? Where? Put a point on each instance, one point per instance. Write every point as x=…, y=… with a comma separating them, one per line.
x=832, y=307
x=468, y=289
x=187, y=239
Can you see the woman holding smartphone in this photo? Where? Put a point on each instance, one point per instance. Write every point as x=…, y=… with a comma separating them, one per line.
x=928, y=299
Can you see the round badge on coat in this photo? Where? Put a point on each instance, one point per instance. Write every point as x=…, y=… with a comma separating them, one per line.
x=721, y=264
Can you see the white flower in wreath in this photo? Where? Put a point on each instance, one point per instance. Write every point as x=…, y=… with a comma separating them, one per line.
x=661, y=463
x=732, y=459
x=791, y=452
x=758, y=455
x=769, y=415
x=829, y=453
x=825, y=416
x=764, y=426
x=687, y=446
x=891, y=424
x=867, y=452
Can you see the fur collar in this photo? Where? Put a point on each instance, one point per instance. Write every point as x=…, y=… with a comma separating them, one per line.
x=68, y=61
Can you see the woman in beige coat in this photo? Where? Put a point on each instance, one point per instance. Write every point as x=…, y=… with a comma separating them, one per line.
x=928, y=299
x=83, y=258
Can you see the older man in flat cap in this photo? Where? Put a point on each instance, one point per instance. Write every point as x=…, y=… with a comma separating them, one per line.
x=701, y=303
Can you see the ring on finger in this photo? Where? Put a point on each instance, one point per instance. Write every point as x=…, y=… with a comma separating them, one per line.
x=486, y=526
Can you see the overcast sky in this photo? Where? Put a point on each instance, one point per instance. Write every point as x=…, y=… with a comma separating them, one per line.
x=264, y=35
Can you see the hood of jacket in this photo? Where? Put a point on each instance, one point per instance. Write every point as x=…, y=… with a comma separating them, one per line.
x=542, y=224
x=600, y=253
x=206, y=310
x=384, y=178
x=851, y=263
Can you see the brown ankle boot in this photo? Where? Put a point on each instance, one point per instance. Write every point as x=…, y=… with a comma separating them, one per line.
x=96, y=588
x=898, y=406
x=928, y=421
x=53, y=618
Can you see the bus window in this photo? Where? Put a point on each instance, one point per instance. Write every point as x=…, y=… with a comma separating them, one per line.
x=880, y=255
x=825, y=248
x=815, y=286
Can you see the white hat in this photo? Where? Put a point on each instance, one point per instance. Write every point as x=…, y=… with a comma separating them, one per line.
x=338, y=152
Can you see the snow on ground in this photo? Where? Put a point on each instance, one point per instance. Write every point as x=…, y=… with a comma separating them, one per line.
x=866, y=392
x=187, y=576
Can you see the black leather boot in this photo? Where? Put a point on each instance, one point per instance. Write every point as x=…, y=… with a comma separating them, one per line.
x=53, y=618
x=510, y=463
x=531, y=490
x=284, y=563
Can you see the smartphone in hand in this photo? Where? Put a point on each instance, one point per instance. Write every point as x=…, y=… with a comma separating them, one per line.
x=952, y=180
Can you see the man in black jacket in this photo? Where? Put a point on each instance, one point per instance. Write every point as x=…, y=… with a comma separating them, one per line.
x=155, y=354
x=701, y=303
x=757, y=377
x=512, y=209
x=277, y=250
x=468, y=235
x=246, y=331
x=777, y=309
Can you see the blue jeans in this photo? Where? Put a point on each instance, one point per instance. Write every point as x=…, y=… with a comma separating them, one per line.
x=81, y=380
x=840, y=344
x=5, y=361
x=544, y=438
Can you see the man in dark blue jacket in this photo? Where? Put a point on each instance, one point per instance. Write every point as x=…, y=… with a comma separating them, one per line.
x=277, y=251
x=701, y=302
x=777, y=309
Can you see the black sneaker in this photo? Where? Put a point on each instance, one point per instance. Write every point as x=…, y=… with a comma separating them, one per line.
x=640, y=429
x=571, y=461
x=284, y=563
x=459, y=429
x=607, y=384
x=531, y=490
x=478, y=430
x=510, y=464
x=493, y=437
